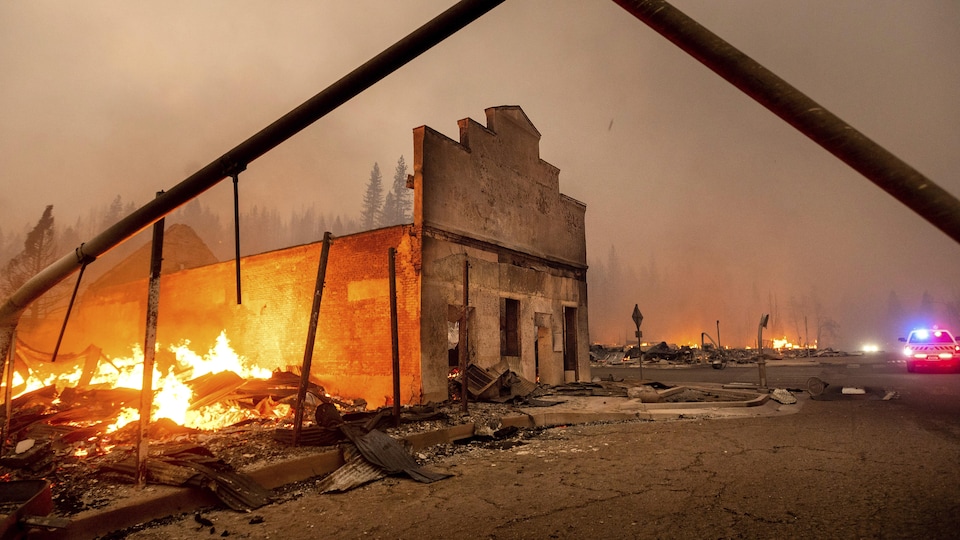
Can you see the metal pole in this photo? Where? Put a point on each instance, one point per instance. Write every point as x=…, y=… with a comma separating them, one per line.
x=640, y=350
x=464, y=336
x=149, y=351
x=761, y=359
x=884, y=169
x=394, y=337
x=9, y=360
x=358, y=80
x=311, y=339
x=236, y=230
x=637, y=320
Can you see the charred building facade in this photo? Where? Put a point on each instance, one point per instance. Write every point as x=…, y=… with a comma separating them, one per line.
x=487, y=201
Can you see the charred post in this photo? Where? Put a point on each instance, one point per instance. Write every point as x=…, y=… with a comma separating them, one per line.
x=149, y=351
x=311, y=338
x=394, y=335
x=464, y=354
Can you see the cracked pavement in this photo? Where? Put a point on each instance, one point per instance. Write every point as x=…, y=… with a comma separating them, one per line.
x=838, y=469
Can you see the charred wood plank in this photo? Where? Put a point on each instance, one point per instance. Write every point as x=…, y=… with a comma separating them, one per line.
x=213, y=387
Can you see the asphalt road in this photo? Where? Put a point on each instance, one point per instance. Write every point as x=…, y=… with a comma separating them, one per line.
x=876, y=371
x=852, y=467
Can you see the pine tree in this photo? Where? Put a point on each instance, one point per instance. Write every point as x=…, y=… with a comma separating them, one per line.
x=39, y=251
x=370, y=216
x=401, y=194
x=389, y=214
x=113, y=214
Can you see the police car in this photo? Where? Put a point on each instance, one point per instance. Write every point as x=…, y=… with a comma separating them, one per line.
x=930, y=347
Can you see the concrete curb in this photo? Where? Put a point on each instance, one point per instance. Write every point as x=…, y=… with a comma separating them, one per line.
x=164, y=501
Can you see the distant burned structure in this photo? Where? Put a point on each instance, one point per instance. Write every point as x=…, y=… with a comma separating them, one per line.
x=487, y=200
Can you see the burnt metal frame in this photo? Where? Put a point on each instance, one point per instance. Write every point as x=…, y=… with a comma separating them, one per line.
x=236, y=160
x=888, y=172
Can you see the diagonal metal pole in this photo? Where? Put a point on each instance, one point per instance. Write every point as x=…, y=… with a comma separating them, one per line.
x=311, y=338
x=397, y=55
x=881, y=167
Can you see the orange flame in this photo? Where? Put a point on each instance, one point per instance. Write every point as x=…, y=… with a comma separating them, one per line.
x=172, y=396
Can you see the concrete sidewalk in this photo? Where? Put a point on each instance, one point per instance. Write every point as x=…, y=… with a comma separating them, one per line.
x=156, y=502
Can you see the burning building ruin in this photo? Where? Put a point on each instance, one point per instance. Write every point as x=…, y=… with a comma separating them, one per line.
x=487, y=201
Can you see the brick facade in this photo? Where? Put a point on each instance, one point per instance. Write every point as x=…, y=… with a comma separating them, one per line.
x=487, y=200
x=353, y=351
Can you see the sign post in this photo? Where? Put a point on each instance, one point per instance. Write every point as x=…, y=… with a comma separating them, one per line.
x=637, y=319
x=761, y=359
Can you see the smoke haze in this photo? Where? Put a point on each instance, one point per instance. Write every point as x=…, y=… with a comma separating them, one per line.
x=701, y=204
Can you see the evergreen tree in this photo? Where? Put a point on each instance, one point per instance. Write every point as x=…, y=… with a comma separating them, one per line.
x=389, y=214
x=401, y=194
x=261, y=230
x=39, y=251
x=305, y=227
x=370, y=215
x=6, y=247
x=113, y=214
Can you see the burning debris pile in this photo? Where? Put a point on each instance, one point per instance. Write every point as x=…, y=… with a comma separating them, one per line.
x=75, y=422
x=664, y=353
x=72, y=438
x=208, y=423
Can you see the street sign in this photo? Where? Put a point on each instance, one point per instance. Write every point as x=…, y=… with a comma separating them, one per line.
x=637, y=316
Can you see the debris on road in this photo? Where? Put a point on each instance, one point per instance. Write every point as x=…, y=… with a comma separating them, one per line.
x=782, y=395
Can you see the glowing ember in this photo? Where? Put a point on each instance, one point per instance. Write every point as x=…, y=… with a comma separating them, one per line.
x=126, y=415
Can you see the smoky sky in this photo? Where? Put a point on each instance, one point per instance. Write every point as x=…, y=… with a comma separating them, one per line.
x=718, y=209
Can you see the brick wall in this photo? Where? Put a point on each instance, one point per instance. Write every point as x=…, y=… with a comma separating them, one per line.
x=353, y=352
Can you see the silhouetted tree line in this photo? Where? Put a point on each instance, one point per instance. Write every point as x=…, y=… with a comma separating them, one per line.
x=262, y=228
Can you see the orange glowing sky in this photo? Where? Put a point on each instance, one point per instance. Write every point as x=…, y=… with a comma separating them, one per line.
x=713, y=207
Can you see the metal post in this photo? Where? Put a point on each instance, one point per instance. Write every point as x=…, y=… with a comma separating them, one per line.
x=884, y=169
x=311, y=338
x=149, y=351
x=637, y=319
x=397, y=55
x=236, y=230
x=464, y=336
x=9, y=361
x=761, y=359
x=394, y=335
